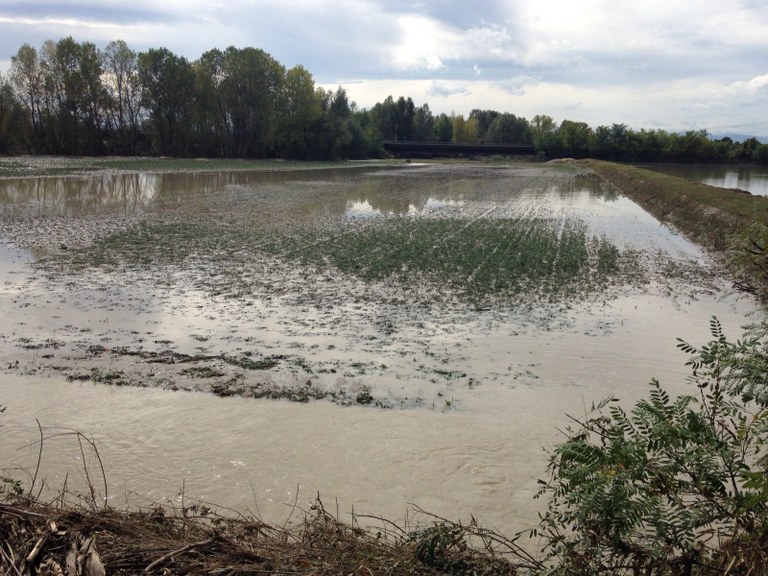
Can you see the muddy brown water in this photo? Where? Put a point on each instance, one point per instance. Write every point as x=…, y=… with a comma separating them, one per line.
x=474, y=396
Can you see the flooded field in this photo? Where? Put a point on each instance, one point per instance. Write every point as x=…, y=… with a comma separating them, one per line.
x=750, y=178
x=385, y=336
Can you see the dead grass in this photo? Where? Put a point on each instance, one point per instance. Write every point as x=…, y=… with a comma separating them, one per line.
x=43, y=539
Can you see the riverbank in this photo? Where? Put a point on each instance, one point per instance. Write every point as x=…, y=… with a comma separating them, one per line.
x=40, y=538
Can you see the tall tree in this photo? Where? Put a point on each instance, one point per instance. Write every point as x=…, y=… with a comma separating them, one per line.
x=423, y=124
x=300, y=113
x=508, y=129
x=11, y=119
x=395, y=119
x=27, y=79
x=212, y=137
x=544, y=134
x=443, y=128
x=465, y=131
x=121, y=82
x=575, y=138
x=93, y=99
x=168, y=83
x=250, y=92
x=484, y=120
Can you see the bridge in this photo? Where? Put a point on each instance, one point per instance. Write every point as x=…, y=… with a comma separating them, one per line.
x=443, y=149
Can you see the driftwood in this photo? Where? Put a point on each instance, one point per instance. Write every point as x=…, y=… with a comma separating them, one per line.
x=42, y=539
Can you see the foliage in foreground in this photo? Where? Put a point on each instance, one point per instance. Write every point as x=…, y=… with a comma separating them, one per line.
x=674, y=486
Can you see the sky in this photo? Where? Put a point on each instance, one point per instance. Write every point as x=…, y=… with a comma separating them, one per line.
x=654, y=64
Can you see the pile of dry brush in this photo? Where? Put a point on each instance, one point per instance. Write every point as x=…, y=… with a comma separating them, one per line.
x=78, y=535
x=38, y=538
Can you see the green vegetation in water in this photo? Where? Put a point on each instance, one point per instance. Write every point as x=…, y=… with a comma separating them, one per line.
x=40, y=166
x=480, y=260
x=61, y=167
x=484, y=258
x=11, y=168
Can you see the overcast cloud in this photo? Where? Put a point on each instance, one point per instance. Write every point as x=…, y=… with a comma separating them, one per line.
x=676, y=65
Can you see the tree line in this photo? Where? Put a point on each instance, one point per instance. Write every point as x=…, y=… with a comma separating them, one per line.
x=72, y=98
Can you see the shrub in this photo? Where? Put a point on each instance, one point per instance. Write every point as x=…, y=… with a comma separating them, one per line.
x=675, y=485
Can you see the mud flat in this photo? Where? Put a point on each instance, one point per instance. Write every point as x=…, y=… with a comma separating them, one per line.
x=434, y=323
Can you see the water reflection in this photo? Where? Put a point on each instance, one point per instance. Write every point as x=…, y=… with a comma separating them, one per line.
x=138, y=193
x=361, y=209
x=427, y=194
x=753, y=179
x=124, y=193
x=308, y=195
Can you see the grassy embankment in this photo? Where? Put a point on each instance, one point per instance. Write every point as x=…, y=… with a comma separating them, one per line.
x=709, y=216
x=731, y=223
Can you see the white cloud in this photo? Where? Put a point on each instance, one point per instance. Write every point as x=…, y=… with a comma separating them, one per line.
x=442, y=89
x=517, y=85
x=757, y=86
x=422, y=44
x=489, y=40
x=652, y=63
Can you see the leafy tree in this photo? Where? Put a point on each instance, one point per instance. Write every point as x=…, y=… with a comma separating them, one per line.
x=340, y=131
x=168, y=84
x=211, y=136
x=760, y=154
x=300, y=113
x=27, y=79
x=69, y=98
x=121, y=81
x=747, y=150
x=250, y=89
x=508, y=129
x=11, y=119
x=651, y=145
x=75, y=96
x=372, y=138
x=423, y=124
x=485, y=119
x=465, y=131
x=443, y=128
x=544, y=134
x=574, y=138
x=622, y=142
x=395, y=119
x=693, y=146
x=675, y=485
